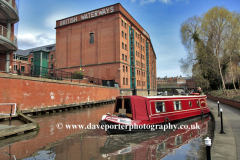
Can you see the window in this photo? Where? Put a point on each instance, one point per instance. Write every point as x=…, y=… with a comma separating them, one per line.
x=122, y=45
x=122, y=22
x=91, y=40
x=125, y=57
x=51, y=57
x=126, y=79
x=125, y=24
x=160, y=107
x=123, y=81
x=126, y=69
x=118, y=105
x=122, y=56
x=125, y=46
x=141, y=39
x=51, y=66
x=143, y=48
x=136, y=44
x=190, y=103
x=31, y=60
x=122, y=33
x=177, y=105
x=22, y=68
x=15, y=67
x=123, y=68
x=136, y=53
x=127, y=106
x=198, y=103
x=126, y=35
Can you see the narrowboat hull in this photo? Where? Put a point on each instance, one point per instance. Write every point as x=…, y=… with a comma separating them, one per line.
x=147, y=113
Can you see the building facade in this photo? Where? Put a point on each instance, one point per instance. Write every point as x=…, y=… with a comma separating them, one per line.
x=108, y=44
x=8, y=41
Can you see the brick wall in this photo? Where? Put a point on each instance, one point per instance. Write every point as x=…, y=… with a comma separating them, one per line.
x=226, y=101
x=30, y=92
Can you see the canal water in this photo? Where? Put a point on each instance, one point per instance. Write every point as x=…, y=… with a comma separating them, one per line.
x=55, y=141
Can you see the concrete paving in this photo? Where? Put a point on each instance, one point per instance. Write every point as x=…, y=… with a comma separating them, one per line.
x=226, y=146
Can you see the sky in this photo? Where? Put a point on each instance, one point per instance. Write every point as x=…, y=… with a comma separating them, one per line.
x=162, y=20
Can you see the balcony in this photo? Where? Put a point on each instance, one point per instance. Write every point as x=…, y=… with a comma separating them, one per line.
x=8, y=41
x=8, y=11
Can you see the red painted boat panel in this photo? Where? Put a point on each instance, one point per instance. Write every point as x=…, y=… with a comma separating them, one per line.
x=171, y=108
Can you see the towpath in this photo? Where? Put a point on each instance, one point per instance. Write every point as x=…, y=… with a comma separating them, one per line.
x=226, y=146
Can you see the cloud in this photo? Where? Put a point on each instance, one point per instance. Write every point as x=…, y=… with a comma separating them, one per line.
x=133, y=0
x=142, y=2
x=29, y=40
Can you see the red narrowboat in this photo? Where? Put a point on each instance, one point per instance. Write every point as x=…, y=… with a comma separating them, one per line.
x=137, y=113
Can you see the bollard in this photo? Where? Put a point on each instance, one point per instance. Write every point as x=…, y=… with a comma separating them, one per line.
x=218, y=109
x=208, y=147
x=221, y=131
x=10, y=117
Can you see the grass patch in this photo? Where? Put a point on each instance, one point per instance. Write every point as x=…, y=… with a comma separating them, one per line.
x=232, y=95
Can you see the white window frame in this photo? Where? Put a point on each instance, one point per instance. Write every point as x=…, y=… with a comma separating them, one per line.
x=180, y=105
x=164, y=108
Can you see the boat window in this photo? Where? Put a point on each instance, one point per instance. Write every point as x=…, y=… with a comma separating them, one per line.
x=160, y=107
x=127, y=106
x=118, y=105
x=177, y=105
x=190, y=103
x=197, y=102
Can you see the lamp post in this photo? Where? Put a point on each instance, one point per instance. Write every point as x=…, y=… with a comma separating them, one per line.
x=208, y=147
x=221, y=131
x=218, y=108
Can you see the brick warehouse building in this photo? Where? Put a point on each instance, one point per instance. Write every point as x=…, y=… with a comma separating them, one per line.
x=111, y=46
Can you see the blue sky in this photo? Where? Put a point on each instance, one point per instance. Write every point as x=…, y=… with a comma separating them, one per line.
x=160, y=18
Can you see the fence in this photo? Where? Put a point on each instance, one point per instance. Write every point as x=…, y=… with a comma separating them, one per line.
x=25, y=68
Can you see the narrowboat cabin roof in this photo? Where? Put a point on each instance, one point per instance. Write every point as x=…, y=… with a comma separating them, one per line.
x=157, y=97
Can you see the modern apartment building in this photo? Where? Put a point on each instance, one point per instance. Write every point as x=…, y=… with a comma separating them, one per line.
x=8, y=41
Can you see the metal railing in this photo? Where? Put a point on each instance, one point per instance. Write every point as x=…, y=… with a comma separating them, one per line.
x=8, y=34
x=14, y=5
x=28, y=69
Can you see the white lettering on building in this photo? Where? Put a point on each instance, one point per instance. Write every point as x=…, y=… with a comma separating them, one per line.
x=68, y=21
x=97, y=13
x=145, y=33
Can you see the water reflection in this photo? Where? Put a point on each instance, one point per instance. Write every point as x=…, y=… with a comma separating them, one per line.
x=155, y=145
x=52, y=143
